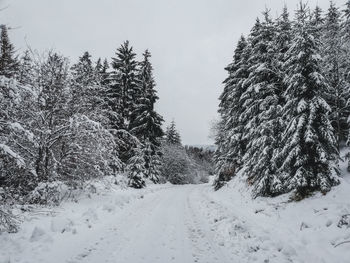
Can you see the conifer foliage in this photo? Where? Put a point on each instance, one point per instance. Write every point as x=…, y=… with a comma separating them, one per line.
x=172, y=136
x=284, y=107
x=8, y=60
x=309, y=144
x=131, y=99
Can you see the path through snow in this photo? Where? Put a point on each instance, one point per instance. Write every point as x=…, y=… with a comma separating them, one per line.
x=181, y=224
x=165, y=226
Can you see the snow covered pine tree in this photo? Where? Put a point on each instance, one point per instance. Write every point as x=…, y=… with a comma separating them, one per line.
x=145, y=122
x=172, y=136
x=309, y=144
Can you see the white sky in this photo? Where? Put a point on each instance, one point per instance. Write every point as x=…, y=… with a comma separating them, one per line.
x=191, y=42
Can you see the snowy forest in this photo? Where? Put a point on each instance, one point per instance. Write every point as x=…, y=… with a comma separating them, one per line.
x=63, y=125
x=286, y=103
x=94, y=168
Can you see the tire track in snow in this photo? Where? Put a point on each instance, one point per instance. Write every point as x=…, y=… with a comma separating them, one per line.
x=205, y=247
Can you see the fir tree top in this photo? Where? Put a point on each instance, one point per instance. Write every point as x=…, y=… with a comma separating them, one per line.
x=172, y=135
x=8, y=61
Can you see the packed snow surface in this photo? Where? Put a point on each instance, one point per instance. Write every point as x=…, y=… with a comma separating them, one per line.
x=184, y=224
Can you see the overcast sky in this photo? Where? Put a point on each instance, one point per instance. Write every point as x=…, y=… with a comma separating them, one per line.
x=191, y=42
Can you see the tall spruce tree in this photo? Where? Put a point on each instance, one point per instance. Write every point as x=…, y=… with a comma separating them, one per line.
x=230, y=146
x=121, y=97
x=172, y=136
x=334, y=68
x=262, y=111
x=317, y=22
x=25, y=73
x=85, y=86
x=309, y=144
x=154, y=168
x=123, y=82
x=101, y=69
x=135, y=169
x=8, y=60
x=345, y=26
x=145, y=122
x=283, y=37
x=345, y=33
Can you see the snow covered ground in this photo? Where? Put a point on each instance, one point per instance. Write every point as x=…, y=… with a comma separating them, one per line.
x=184, y=224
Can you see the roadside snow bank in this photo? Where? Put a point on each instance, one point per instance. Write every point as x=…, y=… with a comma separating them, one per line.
x=77, y=219
x=316, y=229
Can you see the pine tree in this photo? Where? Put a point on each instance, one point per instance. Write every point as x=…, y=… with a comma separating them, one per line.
x=123, y=83
x=105, y=66
x=85, y=86
x=8, y=61
x=26, y=69
x=345, y=26
x=155, y=165
x=98, y=66
x=172, y=136
x=309, y=145
x=262, y=111
x=121, y=96
x=145, y=122
x=317, y=23
x=283, y=37
x=229, y=141
x=135, y=169
x=334, y=68
x=101, y=70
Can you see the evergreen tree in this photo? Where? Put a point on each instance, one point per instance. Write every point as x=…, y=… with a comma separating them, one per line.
x=101, y=70
x=26, y=69
x=229, y=141
x=345, y=26
x=262, y=111
x=85, y=86
x=345, y=33
x=317, y=22
x=334, y=68
x=145, y=122
x=105, y=67
x=309, y=145
x=123, y=83
x=154, y=169
x=136, y=168
x=147, y=155
x=172, y=136
x=283, y=38
x=8, y=61
x=98, y=66
x=122, y=95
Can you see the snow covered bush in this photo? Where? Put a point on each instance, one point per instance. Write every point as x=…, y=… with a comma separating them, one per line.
x=8, y=222
x=50, y=193
x=180, y=168
x=89, y=151
x=16, y=137
x=176, y=164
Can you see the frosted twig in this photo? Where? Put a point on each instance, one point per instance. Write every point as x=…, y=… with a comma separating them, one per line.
x=341, y=243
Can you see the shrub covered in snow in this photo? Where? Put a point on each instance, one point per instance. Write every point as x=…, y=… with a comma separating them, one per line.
x=180, y=168
x=50, y=193
x=8, y=222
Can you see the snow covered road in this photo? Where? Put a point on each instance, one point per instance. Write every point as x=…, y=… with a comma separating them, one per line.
x=182, y=224
x=161, y=227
